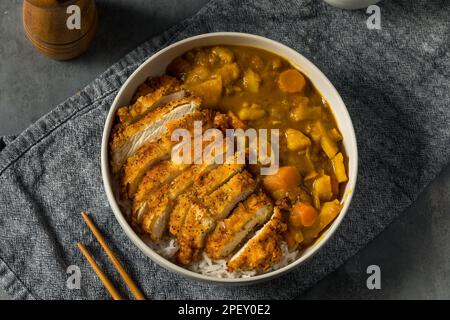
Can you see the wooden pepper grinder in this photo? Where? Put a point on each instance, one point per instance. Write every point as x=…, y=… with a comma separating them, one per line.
x=60, y=29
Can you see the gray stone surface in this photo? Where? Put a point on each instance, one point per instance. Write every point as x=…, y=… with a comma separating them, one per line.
x=412, y=253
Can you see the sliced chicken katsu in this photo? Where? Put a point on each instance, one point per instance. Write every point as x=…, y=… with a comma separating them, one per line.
x=127, y=140
x=193, y=232
x=179, y=211
x=166, y=171
x=229, y=233
x=158, y=219
x=153, y=93
x=224, y=199
x=137, y=165
x=263, y=249
x=197, y=225
x=201, y=187
x=158, y=206
x=160, y=174
x=153, y=152
x=215, y=179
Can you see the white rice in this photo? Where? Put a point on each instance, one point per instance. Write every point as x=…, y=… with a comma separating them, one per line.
x=168, y=247
x=217, y=269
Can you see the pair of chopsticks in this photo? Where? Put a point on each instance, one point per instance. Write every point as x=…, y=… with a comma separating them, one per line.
x=116, y=263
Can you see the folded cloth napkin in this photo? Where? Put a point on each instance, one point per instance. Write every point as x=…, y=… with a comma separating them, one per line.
x=394, y=81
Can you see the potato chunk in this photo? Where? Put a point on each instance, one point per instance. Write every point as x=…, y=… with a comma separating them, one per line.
x=328, y=145
x=303, y=112
x=328, y=213
x=251, y=80
x=339, y=168
x=335, y=134
x=225, y=55
x=179, y=66
x=322, y=188
x=293, y=236
x=210, y=91
x=197, y=74
x=251, y=114
x=296, y=140
x=229, y=73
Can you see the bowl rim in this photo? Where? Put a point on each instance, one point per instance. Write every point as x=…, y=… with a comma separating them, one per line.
x=167, y=264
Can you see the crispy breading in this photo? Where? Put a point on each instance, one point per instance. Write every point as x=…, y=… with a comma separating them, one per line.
x=143, y=90
x=161, y=208
x=229, y=233
x=227, y=121
x=201, y=187
x=151, y=153
x=121, y=136
x=216, y=178
x=235, y=122
x=162, y=173
x=193, y=231
x=147, y=95
x=224, y=199
x=126, y=140
x=263, y=249
x=197, y=225
x=137, y=165
x=179, y=211
x=160, y=204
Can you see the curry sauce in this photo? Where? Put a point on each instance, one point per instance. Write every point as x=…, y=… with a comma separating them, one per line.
x=265, y=91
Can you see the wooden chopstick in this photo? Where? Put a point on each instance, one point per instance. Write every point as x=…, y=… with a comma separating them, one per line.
x=128, y=281
x=102, y=276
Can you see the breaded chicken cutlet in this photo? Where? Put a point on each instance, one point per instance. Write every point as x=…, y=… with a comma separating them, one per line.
x=209, y=207
x=263, y=249
x=230, y=232
x=127, y=140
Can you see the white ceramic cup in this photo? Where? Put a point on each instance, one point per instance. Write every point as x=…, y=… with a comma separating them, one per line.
x=156, y=65
x=351, y=4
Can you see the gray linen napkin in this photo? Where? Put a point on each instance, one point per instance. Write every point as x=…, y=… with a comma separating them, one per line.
x=394, y=81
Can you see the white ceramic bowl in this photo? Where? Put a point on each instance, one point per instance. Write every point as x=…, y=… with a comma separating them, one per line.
x=156, y=65
x=352, y=4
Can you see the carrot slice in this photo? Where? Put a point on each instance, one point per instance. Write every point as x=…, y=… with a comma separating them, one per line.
x=285, y=179
x=291, y=81
x=303, y=214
